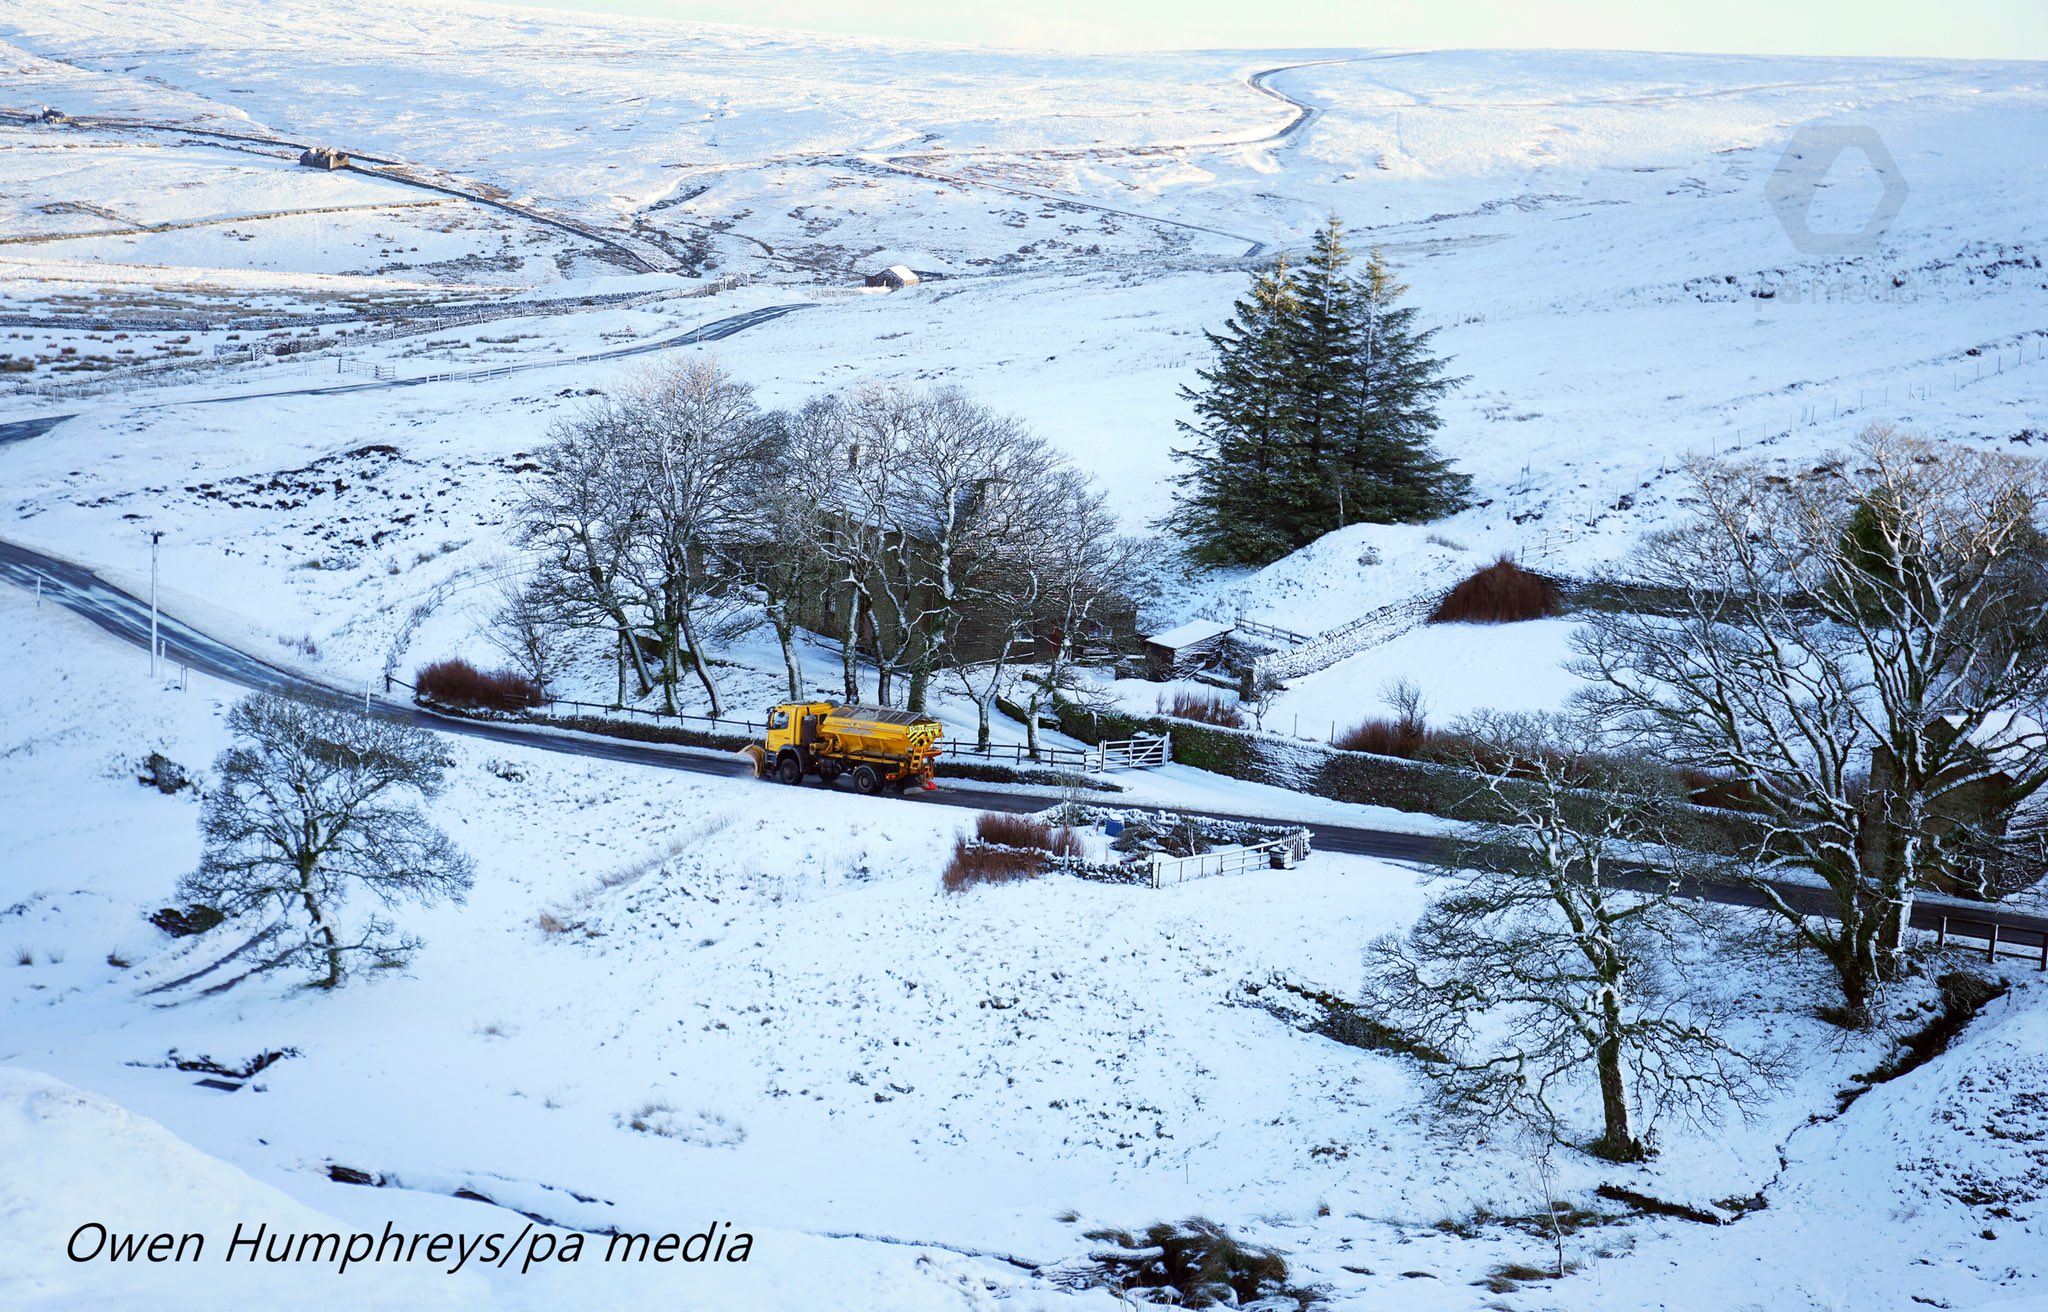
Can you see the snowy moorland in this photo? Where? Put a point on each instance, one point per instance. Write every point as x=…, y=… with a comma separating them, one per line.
x=674, y=999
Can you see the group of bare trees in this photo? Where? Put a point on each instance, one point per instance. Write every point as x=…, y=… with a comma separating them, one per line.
x=1864, y=650
x=1859, y=653
x=924, y=532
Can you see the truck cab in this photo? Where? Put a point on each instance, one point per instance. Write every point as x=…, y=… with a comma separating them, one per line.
x=793, y=725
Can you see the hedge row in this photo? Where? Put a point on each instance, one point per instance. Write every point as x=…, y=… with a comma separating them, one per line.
x=1422, y=787
x=646, y=733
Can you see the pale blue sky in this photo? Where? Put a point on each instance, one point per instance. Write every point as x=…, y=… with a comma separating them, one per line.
x=1968, y=29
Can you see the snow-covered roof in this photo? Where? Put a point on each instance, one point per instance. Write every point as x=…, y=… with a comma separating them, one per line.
x=2007, y=736
x=1187, y=635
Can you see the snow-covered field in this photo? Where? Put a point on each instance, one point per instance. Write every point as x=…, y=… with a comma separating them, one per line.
x=888, y=1087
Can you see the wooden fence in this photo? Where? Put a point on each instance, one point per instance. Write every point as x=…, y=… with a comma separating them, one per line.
x=1272, y=632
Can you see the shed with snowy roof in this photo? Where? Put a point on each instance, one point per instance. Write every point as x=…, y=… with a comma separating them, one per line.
x=1185, y=648
x=896, y=275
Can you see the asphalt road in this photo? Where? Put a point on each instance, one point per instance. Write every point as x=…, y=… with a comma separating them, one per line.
x=21, y=430
x=127, y=617
x=715, y=331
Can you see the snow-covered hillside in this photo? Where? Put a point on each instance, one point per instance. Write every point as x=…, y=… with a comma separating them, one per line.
x=777, y=1019
x=1590, y=231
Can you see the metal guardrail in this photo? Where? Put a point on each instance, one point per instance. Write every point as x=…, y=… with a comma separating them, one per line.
x=1997, y=938
x=601, y=708
x=1121, y=754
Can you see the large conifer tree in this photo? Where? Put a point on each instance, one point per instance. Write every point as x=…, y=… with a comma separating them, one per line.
x=1244, y=425
x=1316, y=414
x=1387, y=472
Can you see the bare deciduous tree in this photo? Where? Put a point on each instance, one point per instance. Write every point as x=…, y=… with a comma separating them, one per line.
x=914, y=518
x=694, y=441
x=1865, y=649
x=950, y=487
x=585, y=511
x=1558, y=959
x=1083, y=569
x=317, y=801
x=774, y=552
x=525, y=624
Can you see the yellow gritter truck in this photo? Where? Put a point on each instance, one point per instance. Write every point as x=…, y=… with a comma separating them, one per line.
x=879, y=746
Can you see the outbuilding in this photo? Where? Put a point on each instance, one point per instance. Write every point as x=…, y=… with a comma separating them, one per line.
x=896, y=275
x=323, y=157
x=1185, y=648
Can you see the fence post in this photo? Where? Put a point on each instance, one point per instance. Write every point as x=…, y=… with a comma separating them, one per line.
x=1991, y=953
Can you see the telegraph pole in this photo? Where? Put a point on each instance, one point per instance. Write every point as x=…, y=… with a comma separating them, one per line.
x=155, y=536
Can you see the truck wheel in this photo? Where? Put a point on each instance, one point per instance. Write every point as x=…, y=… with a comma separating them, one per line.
x=790, y=769
x=866, y=780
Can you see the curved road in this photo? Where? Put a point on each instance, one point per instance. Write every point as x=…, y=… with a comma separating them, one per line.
x=918, y=163
x=80, y=590
x=715, y=331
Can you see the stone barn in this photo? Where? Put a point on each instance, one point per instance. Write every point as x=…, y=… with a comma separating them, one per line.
x=1196, y=645
x=896, y=275
x=1974, y=804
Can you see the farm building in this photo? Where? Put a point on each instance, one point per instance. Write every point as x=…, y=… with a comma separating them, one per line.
x=896, y=275
x=323, y=157
x=1185, y=648
x=1974, y=802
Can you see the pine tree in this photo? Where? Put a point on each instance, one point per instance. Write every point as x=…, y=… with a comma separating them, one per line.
x=1388, y=473
x=1317, y=414
x=1325, y=346
x=1244, y=425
